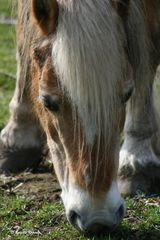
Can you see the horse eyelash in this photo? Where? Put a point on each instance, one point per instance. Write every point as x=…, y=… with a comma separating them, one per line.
x=126, y=96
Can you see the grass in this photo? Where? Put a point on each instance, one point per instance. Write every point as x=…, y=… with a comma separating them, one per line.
x=24, y=217
x=7, y=68
x=27, y=218
x=5, y=7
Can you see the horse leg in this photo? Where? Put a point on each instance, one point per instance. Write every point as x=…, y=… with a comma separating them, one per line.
x=22, y=140
x=139, y=166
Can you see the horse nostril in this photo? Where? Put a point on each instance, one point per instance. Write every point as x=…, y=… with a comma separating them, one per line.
x=120, y=212
x=73, y=217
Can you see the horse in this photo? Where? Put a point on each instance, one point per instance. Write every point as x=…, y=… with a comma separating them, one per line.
x=85, y=72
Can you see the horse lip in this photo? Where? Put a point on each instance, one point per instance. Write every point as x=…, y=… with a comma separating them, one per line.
x=98, y=229
x=86, y=228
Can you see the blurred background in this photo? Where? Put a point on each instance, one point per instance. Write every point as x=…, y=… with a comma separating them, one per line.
x=7, y=58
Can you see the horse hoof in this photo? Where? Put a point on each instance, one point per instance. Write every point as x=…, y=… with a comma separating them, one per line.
x=141, y=179
x=15, y=160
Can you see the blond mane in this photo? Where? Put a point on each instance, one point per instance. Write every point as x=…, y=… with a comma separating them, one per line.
x=89, y=61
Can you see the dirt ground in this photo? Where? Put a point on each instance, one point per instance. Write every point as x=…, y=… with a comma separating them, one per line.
x=40, y=184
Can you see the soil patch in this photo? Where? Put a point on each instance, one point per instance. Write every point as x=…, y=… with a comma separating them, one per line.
x=34, y=185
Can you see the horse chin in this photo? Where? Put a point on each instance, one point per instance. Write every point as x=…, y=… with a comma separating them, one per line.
x=90, y=215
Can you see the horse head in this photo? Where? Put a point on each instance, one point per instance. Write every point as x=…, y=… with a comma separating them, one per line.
x=81, y=79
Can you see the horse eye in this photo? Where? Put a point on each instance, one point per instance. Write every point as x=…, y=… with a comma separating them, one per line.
x=127, y=96
x=51, y=103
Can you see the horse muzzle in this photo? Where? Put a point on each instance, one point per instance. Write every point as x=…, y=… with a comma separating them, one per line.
x=97, y=225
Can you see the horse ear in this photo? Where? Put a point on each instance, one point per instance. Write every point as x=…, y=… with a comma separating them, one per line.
x=121, y=6
x=45, y=13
